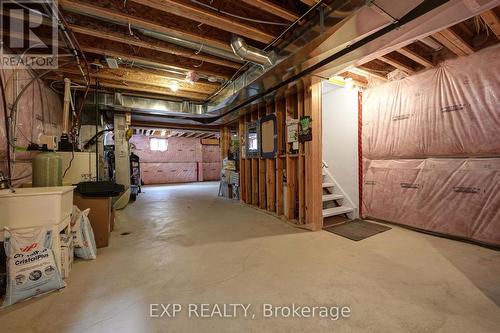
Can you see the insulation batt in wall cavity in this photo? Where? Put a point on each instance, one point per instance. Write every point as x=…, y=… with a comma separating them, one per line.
x=186, y=160
x=458, y=197
x=452, y=110
x=423, y=137
x=39, y=112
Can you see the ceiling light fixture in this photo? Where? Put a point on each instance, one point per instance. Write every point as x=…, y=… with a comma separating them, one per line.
x=174, y=85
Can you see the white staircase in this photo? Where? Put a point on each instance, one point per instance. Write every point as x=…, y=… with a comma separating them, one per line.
x=335, y=200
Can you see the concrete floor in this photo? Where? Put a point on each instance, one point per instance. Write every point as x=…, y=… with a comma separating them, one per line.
x=188, y=246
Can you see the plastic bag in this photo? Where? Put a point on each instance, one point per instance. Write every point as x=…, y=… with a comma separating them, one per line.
x=31, y=267
x=83, y=235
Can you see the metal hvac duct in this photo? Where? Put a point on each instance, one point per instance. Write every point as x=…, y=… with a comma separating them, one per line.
x=250, y=53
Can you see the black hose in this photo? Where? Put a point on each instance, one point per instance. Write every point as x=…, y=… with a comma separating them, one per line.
x=6, y=119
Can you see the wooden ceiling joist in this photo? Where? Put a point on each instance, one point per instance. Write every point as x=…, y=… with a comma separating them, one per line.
x=152, y=61
x=272, y=8
x=135, y=76
x=491, y=19
x=209, y=18
x=309, y=2
x=397, y=64
x=180, y=127
x=156, y=46
x=453, y=42
x=137, y=22
x=126, y=86
x=415, y=57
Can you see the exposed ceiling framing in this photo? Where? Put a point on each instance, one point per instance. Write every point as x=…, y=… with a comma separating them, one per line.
x=461, y=39
x=158, y=41
x=173, y=133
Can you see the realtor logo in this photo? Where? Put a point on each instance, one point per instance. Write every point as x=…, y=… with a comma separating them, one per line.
x=29, y=34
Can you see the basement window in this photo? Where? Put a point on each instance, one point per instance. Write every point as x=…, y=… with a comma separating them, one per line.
x=156, y=144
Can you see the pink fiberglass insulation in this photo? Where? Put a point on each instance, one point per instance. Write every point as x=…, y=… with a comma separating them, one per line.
x=450, y=110
x=210, y=153
x=211, y=170
x=183, y=161
x=39, y=111
x=457, y=197
x=179, y=149
x=168, y=173
x=416, y=135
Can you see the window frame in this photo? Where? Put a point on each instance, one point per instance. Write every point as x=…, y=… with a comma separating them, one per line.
x=154, y=144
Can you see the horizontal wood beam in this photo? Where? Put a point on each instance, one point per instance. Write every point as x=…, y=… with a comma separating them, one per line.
x=208, y=17
x=151, y=61
x=415, y=57
x=152, y=46
x=491, y=19
x=272, y=8
x=367, y=73
x=137, y=87
x=167, y=125
x=399, y=65
x=104, y=13
x=135, y=76
x=309, y=2
x=453, y=42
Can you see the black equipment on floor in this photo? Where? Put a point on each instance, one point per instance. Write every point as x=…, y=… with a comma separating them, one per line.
x=135, y=176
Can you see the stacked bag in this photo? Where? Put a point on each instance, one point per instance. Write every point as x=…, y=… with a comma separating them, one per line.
x=30, y=262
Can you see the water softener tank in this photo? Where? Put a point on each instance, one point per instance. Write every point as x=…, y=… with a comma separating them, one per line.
x=47, y=169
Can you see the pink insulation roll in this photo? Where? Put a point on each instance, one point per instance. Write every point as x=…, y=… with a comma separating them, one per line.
x=168, y=173
x=179, y=149
x=444, y=111
x=457, y=197
x=211, y=170
x=181, y=162
x=210, y=153
x=39, y=111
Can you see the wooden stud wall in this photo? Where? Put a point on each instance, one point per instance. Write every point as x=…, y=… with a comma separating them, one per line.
x=263, y=179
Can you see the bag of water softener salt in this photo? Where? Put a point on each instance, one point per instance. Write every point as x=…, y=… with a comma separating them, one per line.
x=31, y=267
x=83, y=235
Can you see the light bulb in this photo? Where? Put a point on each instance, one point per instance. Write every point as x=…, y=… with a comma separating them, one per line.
x=174, y=86
x=349, y=83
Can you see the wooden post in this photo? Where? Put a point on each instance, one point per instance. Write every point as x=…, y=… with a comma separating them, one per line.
x=262, y=168
x=280, y=120
x=225, y=142
x=270, y=171
x=313, y=188
x=301, y=178
x=242, y=133
x=255, y=167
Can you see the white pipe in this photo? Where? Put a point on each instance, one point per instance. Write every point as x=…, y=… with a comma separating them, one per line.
x=67, y=101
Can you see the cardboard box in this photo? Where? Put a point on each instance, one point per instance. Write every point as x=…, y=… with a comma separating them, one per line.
x=99, y=216
x=66, y=254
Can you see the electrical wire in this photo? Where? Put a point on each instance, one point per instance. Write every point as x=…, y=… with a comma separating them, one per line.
x=6, y=119
x=235, y=75
x=237, y=16
x=70, y=161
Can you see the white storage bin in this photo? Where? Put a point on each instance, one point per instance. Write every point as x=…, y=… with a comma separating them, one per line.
x=35, y=206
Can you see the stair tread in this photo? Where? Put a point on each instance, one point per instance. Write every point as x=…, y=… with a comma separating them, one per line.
x=336, y=211
x=329, y=197
x=328, y=184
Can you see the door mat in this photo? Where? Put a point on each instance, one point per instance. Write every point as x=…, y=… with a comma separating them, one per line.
x=357, y=230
